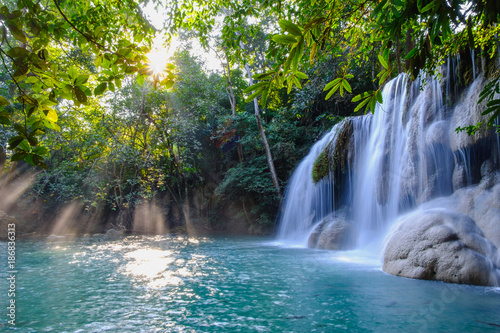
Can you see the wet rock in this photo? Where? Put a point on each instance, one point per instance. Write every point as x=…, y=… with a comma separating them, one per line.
x=440, y=244
x=114, y=233
x=333, y=233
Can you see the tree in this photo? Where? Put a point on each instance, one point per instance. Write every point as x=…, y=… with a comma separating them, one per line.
x=40, y=48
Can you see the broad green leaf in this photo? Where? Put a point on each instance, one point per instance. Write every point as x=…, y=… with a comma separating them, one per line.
x=100, y=89
x=426, y=8
x=80, y=95
x=263, y=75
x=379, y=96
x=331, y=84
x=17, y=52
x=314, y=50
x=347, y=86
x=412, y=53
x=254, y=95
x=24, y=145
x=297, y=82
x=141, y=79
x=50, y=114
x=383, y=61
x=17, y=33
x=18, y=157
x=31, y=110
x=5, y=120
x=284, y=39
x=31, y=79
x=81, y=79
x=3, y=101
x=330, y=93
x=73, y=73
x=290, y=27
x=360, y=105
x=301, y=75
x=254, y=87
x=15, y=141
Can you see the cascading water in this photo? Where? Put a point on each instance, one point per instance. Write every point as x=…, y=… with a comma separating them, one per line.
x=396, y=159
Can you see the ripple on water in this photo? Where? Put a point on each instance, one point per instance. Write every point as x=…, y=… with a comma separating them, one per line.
x=186, y=284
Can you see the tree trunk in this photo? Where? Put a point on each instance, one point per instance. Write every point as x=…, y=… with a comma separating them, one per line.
x=409, y=46
x=232, y=101
x=232, y=98
x=264, y=138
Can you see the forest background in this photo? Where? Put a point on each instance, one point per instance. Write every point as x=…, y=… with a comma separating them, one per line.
x=93, y=138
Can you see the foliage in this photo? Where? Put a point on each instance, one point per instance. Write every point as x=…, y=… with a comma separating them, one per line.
x=41, y=51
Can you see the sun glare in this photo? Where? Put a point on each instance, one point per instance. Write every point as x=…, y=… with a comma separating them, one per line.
x=158, y=60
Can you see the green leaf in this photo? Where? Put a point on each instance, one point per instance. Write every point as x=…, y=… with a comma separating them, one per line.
x=80, y=95
x=31, y=79
x=412, y=53
x=284, y=39
x=290, y=27
x=331, y=84
x=347, y=86
x=17, y=33
x=50, y=114
x=301, y=75
x=379, y=96
x=111, y=86
x=141, y=79
x=4, y=120
x=17, y=52
x=24, y=145
x=297, y=82
x=360, y=105
x=81, y=79
x=254, y=95
x=254, y=87
x=3, y=101
x=18, y=157
x=73, y=73
x=289, y=60
x=426, y=8
x=15, y=141
x=40, y=150
x=100, y=89
x=383, y=61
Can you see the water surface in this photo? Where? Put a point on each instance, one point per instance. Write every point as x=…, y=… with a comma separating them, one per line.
x=183, y=284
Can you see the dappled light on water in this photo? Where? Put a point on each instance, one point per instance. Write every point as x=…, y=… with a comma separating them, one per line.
x=150, y=266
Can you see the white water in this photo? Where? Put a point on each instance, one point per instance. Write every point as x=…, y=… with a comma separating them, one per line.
x=400, y=157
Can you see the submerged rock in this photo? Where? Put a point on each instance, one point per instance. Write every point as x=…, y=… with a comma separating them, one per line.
x=333, y=233
x=440, y=244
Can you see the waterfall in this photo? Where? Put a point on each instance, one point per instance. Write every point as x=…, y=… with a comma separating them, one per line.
x=404, y=155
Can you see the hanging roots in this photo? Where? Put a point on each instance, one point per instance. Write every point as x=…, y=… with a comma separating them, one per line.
x=335, y=154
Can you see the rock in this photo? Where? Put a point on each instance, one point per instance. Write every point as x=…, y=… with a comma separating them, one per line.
x=333, y=233
x=114, y=233
x=440, y=244
x=459, y=177
x=468, y=112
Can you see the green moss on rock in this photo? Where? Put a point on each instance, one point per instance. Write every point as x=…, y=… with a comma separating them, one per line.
x=335, y=153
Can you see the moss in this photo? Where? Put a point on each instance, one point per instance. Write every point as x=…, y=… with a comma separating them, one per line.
x=334, y=155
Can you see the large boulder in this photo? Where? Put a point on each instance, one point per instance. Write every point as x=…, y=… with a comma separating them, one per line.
x=440, y=244
x=480, y=202
x=333, y=233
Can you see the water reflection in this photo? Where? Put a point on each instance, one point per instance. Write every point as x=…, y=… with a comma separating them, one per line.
x=151, y=267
